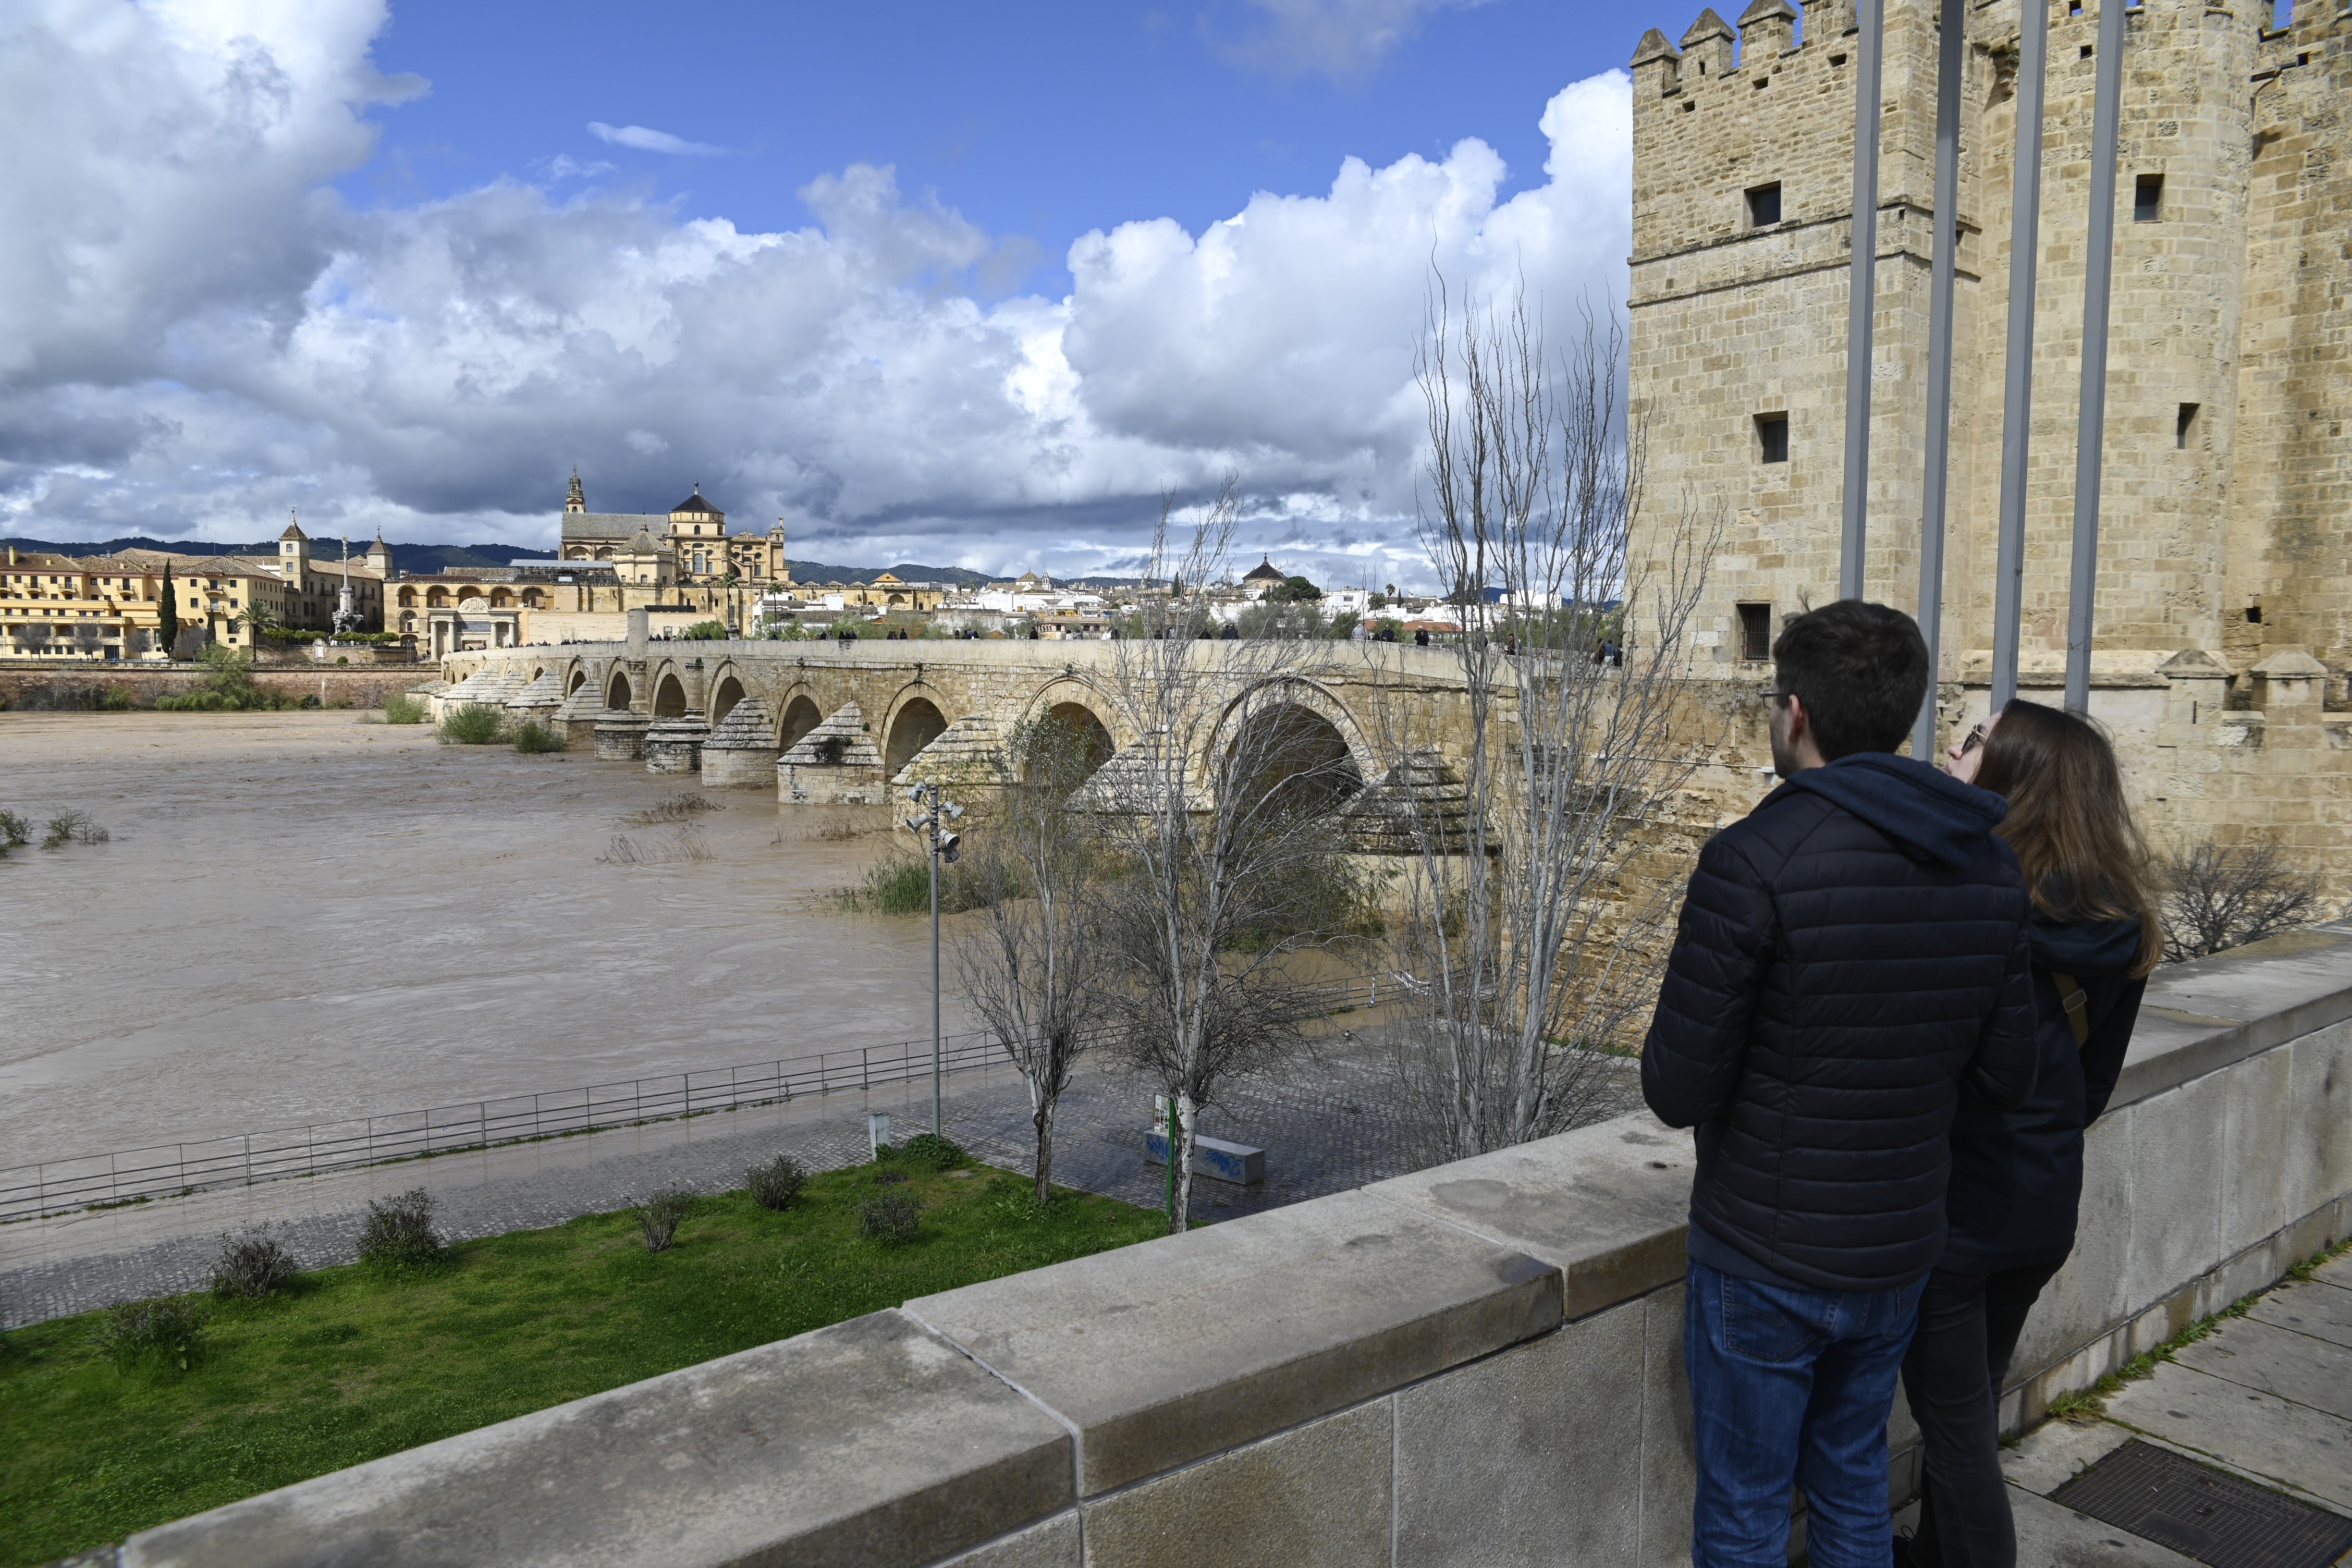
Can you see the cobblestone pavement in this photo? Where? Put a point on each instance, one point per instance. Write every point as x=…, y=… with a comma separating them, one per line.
x=1327, y=1125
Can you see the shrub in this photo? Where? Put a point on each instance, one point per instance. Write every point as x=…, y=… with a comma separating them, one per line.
x=2211, y=900
x=402, y=710
x=72, y=828
x=400, y=1231
x=116, y=699
x=892, y=1218
x=673, y=808
x=169, y=1330
x=658, y=1216
x=775, y=1185
x=253, y=1264
x=475, y=724
x=13, y=829
x=900, y=883
x=533, y=738
x=930, y=1152
x=705, y=631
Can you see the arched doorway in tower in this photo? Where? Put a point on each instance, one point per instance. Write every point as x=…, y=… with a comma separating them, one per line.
x=730, y=693
x=1297, y=755
x=918, y=723
x=669, y=698
x=800, y=717
x=617, y=695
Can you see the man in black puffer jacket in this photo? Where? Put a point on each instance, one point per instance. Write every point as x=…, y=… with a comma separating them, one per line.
x=1850, y=954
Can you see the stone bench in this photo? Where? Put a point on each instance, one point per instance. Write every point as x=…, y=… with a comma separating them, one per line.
x=1212, y=1157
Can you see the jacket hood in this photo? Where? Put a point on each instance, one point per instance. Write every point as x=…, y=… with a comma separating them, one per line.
x=2085, y=948
x=1931, y=814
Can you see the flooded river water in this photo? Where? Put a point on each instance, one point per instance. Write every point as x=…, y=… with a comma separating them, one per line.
x=303, y=916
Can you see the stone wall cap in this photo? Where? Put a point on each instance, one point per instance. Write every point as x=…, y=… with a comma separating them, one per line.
x=1766, y=10
x=1623, y=1238
x=1654, y=47
x=869, y=1441
x=2204, y=1015
x=2194, y=662
x=2293, y=664
x=1166, y=1352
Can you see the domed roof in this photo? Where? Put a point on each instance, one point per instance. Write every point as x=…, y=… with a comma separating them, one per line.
x=1265, y=572
x=643, y=544
x=694, y=504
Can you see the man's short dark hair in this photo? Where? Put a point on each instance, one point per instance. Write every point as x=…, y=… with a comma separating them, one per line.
x=1861, y=670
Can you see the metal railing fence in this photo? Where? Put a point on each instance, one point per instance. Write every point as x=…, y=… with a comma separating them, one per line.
x=322, y=1147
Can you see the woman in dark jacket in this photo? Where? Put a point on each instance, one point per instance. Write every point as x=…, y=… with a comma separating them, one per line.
x=2017, y=1176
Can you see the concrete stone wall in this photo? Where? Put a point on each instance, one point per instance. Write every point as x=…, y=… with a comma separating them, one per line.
x=360, y=686
x=1479, y=1364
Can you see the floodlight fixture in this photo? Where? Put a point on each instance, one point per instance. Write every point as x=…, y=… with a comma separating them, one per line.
x=916, y=824
x=916, y=794
x=954, y=810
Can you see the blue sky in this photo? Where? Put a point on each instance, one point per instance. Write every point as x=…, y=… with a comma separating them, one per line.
x=1036, y=122
x=968, y=285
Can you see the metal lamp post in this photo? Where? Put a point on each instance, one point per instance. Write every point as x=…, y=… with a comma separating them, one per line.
x=941, y=843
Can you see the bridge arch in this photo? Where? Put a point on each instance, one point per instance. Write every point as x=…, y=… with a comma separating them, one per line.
x=801, y=714
x=616, y=691
x=669, y=696
x=725, y=694
x=1299, y=739
x=575, y=680
x=915, y=723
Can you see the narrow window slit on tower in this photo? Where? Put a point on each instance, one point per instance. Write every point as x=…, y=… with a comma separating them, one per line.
x=2187, y=424
x=1772, y=438
x=1755, y=632
x=2087, y=50
x=1837, y=60
x=2148, y=198
x=1764, y=206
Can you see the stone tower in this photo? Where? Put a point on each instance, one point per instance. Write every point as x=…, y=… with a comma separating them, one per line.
x=575, y=500
x=2226, y=518
x=294, y=555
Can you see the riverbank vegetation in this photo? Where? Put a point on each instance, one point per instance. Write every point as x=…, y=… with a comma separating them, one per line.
x=108, y=1433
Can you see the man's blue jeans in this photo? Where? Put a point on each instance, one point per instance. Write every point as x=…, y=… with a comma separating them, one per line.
x=1791, y=1387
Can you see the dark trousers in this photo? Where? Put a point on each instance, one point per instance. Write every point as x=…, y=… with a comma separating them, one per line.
x=1969, y=1325
x=1790, y=1386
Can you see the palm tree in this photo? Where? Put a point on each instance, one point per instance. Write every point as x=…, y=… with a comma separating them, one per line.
x=256, y=621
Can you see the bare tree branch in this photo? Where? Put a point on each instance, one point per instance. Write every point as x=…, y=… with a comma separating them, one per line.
x=1530, y=953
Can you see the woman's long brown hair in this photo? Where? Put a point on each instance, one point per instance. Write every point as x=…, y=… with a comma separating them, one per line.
x=2073, y=830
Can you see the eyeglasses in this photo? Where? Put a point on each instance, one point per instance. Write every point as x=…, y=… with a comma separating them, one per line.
x=1973, y=739
x=1768, y=695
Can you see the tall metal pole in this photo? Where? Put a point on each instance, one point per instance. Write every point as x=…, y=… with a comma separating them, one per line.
x=2090, y=432
x=2017, y=397
x=939, y=1118
x=1862, y=295
x=1939, y=365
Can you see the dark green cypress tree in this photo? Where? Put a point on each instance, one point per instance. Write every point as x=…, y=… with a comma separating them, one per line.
x=167, y=617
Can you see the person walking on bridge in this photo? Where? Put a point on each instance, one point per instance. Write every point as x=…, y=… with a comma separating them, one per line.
x=1851, y=954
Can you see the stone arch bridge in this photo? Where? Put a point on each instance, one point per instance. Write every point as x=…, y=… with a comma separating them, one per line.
x=855, y=723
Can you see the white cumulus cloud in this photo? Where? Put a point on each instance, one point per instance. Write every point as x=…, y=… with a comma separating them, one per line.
x=195, y=333
x=645, y=140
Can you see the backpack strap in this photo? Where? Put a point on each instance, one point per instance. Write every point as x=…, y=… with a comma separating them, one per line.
x=2072, y=996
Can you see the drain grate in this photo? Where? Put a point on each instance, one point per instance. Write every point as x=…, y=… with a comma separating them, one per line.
x=2203, y=1513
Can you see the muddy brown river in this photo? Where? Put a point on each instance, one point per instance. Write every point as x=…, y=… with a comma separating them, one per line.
x=301, y=917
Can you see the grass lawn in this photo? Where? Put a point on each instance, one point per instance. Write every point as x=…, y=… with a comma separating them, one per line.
x=356, y=1362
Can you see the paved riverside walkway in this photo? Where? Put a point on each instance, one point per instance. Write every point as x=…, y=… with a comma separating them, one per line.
x=1327, y=1124
x=2266, y=1397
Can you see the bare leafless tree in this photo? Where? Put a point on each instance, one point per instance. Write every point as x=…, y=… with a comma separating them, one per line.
x=1218, y=811
x=2212, y=899
x=1530, y=946
x=1034, y=971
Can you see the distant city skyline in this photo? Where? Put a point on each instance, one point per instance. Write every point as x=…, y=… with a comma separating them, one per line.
x=926, y=286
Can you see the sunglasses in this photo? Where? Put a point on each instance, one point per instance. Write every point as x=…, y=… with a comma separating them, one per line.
x=1973, y=739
